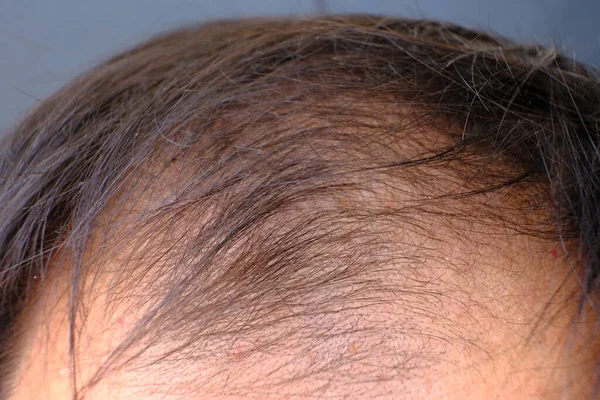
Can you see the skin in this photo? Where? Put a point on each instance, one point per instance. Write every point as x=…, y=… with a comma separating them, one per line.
x=486, y=314
x=520, y=329
x=468, y=309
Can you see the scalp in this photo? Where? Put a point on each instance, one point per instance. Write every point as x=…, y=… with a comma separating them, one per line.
x=366, y=188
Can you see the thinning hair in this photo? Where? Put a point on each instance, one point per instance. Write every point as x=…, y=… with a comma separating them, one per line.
x=253, y=174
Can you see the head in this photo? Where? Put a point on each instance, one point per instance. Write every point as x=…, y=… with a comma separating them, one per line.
x=338, y=206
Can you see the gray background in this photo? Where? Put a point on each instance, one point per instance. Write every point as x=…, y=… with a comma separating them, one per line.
x=45, y=43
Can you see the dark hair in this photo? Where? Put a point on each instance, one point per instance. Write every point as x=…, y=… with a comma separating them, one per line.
x=241, y=157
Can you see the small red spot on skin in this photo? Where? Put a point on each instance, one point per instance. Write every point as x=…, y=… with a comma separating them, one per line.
x=554, y=253
x=121, y=322
x=388, y=307
x=238, y=351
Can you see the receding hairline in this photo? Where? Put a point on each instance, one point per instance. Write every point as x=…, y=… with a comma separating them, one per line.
x=168, y=118
x=369, y=195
